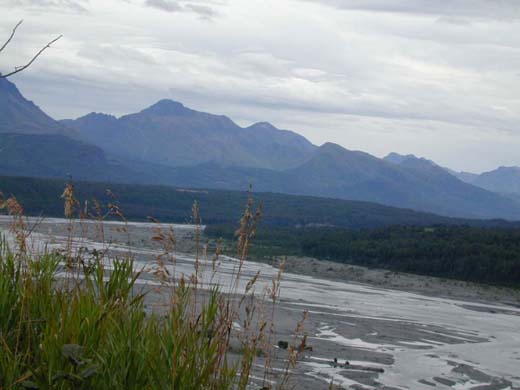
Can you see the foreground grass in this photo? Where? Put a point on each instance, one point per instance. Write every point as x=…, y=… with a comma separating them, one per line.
x=77, y=319
x=95, y=334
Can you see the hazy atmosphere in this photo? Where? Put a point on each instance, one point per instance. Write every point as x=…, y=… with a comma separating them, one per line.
x=419, y=77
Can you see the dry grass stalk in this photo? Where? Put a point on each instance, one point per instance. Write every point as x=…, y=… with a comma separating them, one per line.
x=245, y=233
x=197, y=222
x=273, y=294
x=188, y=303
x=18, y=225
x=295, y=350
x=70, y=201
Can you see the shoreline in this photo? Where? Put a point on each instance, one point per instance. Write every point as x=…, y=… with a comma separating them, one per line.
x=325, y=269
x=381, y=278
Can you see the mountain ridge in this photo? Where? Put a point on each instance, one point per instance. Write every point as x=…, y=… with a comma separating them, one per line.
x=170, y=144
x=20, y=115
x=172, y=134
x=502, y=180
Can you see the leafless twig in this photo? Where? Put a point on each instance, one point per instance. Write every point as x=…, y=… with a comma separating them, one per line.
x=23, y=67
x=11, y=36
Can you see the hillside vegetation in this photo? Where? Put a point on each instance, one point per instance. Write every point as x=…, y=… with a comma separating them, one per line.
x=352, y=232
x=478, y=254
x=41, y=197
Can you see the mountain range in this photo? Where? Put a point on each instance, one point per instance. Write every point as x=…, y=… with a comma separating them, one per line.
x=21, y=116
x=168, y=143
x=503, y=180
x=171, y=134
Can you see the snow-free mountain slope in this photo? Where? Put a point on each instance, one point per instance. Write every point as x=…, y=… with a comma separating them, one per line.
x=19, y=115
x=168, y=143
x=171, y=134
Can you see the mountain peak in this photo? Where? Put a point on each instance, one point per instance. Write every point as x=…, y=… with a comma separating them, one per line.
x=19, y=115
x=330, y=151
x=98, y=116
x=509, y=169
x=331, y=147
x=505, y=180
x=397, y=158
x=263, y=126
x=7, y=86
x=412, y=161
x=166, y=107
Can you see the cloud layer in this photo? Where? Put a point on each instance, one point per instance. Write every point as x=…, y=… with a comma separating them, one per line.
x=485, y=9
x=412, y=76
x=204, y=8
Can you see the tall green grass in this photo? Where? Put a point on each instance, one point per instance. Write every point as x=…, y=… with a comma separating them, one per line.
x=94, y=333
x=67, y=321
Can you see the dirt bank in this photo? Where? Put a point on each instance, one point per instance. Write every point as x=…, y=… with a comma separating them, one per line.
x=431, y=286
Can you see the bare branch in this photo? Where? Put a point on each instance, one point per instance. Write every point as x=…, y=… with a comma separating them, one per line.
x=12, y=35
x=23, y=67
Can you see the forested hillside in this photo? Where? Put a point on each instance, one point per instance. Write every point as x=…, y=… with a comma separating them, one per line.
x=485, y=255
x=42, y=196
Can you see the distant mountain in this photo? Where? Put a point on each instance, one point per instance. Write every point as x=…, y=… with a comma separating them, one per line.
x=335, y=172
x=173, y=145
x=34, y=144
x=21, y=116
x=466, y=177
x=171, y=134
x=415, y=183
x=411, y=160
x=396, y=158
x=504, y=180
x=58, y=156
x=50, y=155
x=515, y=197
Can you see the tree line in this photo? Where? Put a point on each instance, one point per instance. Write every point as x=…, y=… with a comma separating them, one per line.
x=478, y=254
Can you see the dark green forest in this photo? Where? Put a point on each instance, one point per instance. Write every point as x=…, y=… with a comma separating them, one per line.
x=169, y=204
x=361, y=233
x=486, y=255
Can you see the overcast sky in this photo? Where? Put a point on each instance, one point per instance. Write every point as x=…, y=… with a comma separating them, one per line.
x=440, y=79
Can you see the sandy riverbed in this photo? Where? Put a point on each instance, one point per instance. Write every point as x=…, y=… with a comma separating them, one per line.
x=425, y=285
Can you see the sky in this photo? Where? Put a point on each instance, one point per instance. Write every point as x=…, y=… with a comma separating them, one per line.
x=439, y=79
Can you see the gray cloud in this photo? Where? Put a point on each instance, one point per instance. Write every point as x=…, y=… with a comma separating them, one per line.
x=165, y=5
x=454, y=8
x=57, y=5
x=204, y=9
